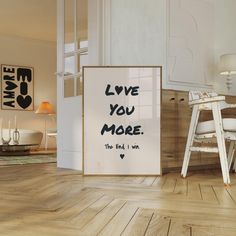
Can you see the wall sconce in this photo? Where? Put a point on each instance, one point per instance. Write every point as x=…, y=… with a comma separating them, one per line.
x=227, y=67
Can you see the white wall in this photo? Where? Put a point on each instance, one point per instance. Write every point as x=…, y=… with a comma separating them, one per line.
x=225, y=39
x=137, y=32
x=140, y=32
x=40, y=55
x=126, y=32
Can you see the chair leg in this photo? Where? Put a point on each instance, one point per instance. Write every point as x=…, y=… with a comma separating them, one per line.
x=234, y=159
x=234, y=166
x=221, y=142
x=231, y=153
x=191, y=133
x=46, y=142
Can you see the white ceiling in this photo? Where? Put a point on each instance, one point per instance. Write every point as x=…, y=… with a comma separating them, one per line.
x=28, y=18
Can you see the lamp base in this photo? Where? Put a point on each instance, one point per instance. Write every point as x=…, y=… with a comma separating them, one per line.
x=229, y=82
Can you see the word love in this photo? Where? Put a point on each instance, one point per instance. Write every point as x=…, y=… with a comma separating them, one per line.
x=126, y=90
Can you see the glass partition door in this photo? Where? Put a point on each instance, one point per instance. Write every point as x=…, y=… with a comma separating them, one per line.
x=72, y=48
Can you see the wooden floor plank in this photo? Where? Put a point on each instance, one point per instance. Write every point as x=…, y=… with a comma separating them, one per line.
x=224, y=197
x=118, y=223
x=209, y=231
x=97, y=224
x=219, y=231
x=202, y=231
x=208, y=193
x=232, y=192
x=194, y=191
x=149, y=180
x=44, y=200
x=179, y=228
x=159, y=225
x=68, y=211
x=133, y=179
x=139, y=223
x=159, y=181
x=90, y=212
x=169, y=185
x=181, y=187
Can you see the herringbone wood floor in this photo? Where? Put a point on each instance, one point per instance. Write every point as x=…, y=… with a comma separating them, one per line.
x=43, y=200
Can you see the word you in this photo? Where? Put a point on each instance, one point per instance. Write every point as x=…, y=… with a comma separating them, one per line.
x=120, y=110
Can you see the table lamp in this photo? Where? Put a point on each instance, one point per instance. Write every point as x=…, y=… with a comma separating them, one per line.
x=228, y=67
x=45, y=108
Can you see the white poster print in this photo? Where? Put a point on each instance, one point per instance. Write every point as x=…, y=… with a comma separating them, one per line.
x=122, y=120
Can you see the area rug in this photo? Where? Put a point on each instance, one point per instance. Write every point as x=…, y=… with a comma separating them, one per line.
x=28, y=159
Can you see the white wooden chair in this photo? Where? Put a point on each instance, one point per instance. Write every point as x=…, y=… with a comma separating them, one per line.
x=217, y=130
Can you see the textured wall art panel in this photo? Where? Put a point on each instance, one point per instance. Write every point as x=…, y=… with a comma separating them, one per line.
x=190, y=41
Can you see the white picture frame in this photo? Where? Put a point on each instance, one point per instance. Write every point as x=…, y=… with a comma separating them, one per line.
x=122, y=120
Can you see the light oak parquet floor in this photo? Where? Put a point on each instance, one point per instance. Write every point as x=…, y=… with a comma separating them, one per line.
x=43, y=200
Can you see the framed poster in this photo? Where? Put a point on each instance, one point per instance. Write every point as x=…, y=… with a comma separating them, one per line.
x=122, y=116
x=17, y=88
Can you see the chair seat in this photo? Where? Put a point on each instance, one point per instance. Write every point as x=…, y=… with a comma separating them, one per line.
x=204, y=127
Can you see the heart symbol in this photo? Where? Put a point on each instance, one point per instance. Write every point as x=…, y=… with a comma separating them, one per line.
x=118, y=89
x=24, y=102
x=122, y=156
x=10, y=85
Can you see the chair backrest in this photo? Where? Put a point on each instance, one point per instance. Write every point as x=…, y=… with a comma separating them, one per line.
x=196, y=95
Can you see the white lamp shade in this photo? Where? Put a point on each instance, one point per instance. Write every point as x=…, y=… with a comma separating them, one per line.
x=228, y=64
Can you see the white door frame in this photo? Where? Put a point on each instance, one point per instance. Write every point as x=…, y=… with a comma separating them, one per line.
x=99, y=54
x=69, y=110
x=60, y=73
